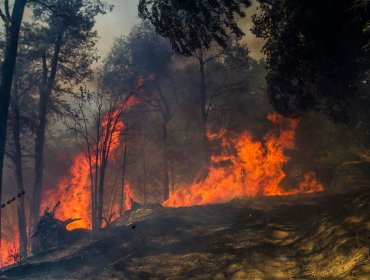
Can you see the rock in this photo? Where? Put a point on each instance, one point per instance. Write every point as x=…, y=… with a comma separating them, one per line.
x=351, y=175
x=131, y=217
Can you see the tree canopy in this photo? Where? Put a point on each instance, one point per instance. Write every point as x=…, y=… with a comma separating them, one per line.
x=191, y=25
x=314, y=52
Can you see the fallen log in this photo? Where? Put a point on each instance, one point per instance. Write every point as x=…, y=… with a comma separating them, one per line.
x=50, y=232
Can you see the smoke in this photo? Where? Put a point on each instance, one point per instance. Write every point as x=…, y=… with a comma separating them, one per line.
x=116, y=23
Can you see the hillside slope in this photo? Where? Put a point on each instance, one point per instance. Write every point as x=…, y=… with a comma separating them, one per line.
x=317, y=236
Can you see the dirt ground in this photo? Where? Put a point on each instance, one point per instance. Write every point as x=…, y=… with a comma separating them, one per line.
x=318, y=236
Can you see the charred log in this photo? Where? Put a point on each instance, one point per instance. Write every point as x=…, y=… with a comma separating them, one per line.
x=50, y=232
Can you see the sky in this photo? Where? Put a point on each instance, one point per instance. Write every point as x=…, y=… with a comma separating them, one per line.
x=116, y=23
x=124, y=17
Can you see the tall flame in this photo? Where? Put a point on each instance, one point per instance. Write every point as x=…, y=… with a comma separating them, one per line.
x=74, y=191
x=247, y=167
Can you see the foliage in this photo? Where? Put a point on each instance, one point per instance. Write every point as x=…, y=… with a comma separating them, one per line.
x=75, y=19
x=193, y=25
x=142, y=52
x=314, y=54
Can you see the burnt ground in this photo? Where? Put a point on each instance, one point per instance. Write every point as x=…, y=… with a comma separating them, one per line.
x=318, y=236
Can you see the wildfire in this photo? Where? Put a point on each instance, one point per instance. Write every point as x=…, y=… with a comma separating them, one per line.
x=247, y=167
x=74, y=191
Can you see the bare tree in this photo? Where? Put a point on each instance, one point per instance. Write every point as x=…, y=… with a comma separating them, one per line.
x=100, y=140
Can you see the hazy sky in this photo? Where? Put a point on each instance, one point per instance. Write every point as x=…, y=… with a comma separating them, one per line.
x=116, y=23
x=124, y=16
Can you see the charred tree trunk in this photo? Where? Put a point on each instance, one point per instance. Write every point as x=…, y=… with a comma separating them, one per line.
x=104, y=158
x=39, y=156
x=96, y=171
x=173, y=177
x=101, y=194
x=166, y=189
x=203, y=109
x=167, y=115
x=6, y=78
x=123, y=177
x=145, y=175
x=17, y=160
x=46, y=87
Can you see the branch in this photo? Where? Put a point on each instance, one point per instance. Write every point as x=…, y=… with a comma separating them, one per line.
x=7, y=9
x=5, y=18
x=11, y=156
x=214, y=57
x=49, y=7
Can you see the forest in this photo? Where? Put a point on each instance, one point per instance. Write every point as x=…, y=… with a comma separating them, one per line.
x=203, y=139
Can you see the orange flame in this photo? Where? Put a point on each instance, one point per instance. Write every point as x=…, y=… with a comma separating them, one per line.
x=246, y=167
x=9, y=249
x=129, y=195
x=74, y=191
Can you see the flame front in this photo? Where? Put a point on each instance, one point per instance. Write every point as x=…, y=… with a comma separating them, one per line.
x=247, y=167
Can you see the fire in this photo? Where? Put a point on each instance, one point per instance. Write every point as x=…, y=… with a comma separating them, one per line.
x=129, y=195
x=10, y=249
x=74, y=190
x=74, y=194
x=247, y=167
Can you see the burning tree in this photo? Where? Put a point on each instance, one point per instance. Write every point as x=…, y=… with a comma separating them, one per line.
x=101, y=127
x=64, y=50
x=100, y=143
x=109, y=128
x=145, y=52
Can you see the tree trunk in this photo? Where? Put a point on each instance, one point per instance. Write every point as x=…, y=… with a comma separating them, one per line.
x=166, y=189
x=46, y=87
x=203, y=111
x=39, y=156
x=123, y=177
x=173, y=177
x=101, y=194
x=143, y=144
x=6, y=79
x=17, y=160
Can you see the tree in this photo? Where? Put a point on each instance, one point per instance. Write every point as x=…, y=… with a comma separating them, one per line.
x=234, y=59
x=362, y=4
x=194, y=25
x=143, y=52
x=66, y=52
x=193, y=28
x=100, y=126
x=21, y=123
x=314, y=54
x=12, y=25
